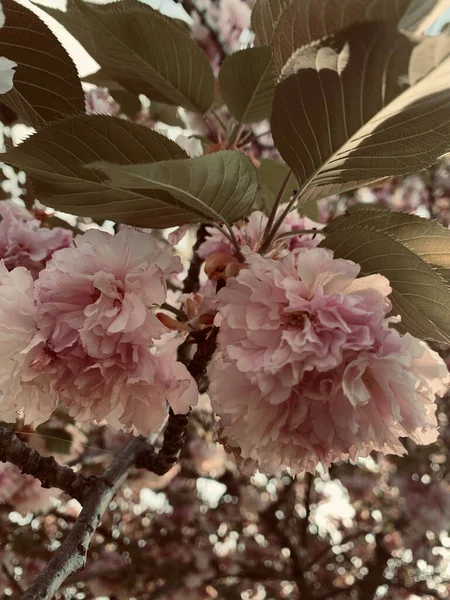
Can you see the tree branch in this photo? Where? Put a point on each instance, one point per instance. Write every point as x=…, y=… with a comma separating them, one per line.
x=46, y=469
x=71, y=556
x=191, y=283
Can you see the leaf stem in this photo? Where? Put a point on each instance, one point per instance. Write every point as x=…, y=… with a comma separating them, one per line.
x=235, y=134
x=277, y=202
x=270, y=235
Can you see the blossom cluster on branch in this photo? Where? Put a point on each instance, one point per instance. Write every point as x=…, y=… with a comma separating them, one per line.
x=224, y=355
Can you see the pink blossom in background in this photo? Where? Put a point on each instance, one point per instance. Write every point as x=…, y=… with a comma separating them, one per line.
x=233, y=18
x=308, y=370
x=90, y=336
x=24, y=492
x=23, y=240
x=99, y=101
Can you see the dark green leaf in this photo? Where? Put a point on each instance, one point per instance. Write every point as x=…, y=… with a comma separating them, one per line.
x=412, y=253
x=46, y=83
x=347, y=116
x=148, y=53
x=272, y=174
x=306, y=21
x=265, y=15
x=55, y=159
x=219, y=187
x=247, y=84
x=166, y=114
x=426, y=238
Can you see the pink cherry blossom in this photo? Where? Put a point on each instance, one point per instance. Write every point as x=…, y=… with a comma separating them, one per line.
x=24, y=241
x=89, y=338
x=232, y=20
x=100, y=293
x=249, y=232
x=308, y=370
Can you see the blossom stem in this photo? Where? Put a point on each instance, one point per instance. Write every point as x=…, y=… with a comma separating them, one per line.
x=271, y=231
x=46, y=469
x=277, y=202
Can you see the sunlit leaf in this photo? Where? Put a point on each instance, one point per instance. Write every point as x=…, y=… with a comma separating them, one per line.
x=347, y=117
x=425, y=237
x=247, y=84
x=46, y=82
x=220, y=186
x=305, y=21
x=413, y=253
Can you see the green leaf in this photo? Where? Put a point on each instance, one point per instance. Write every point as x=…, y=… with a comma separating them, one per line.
x=219, y=187
x=265, y=15
x=148, y=53
x=166, y=114
x=426, y=238
x=347, y=116
x=55, y=158
x=46, y=82
x=272, y=174
x=412, y=253
x=247, y=85
x=306, y=21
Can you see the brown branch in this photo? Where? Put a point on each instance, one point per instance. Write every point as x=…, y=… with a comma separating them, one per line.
x=174, y=436
x=46, y=469
x=175, y=432
x=71, y=556
x=192, y=281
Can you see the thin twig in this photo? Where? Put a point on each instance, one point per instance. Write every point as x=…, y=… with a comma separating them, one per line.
x=46, y=469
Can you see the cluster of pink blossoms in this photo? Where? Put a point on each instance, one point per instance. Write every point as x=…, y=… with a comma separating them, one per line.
x=220, y=254
x=23, y=240
x=308, y=369
x=84, y=334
